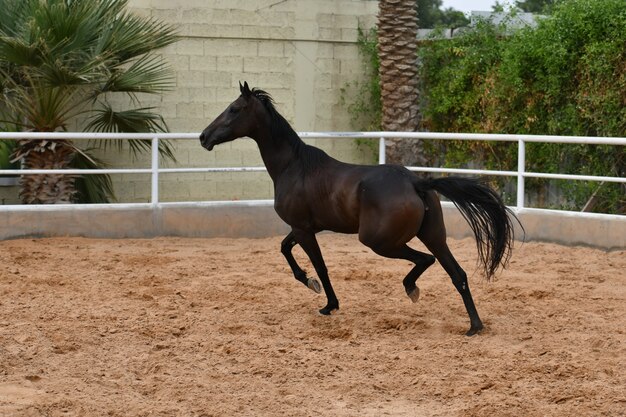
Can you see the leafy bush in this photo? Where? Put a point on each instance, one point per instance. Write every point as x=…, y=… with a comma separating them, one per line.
x=365, y=105
x=567, y=76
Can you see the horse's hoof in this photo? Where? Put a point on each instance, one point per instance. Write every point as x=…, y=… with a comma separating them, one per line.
x=314, y=284
x=327, y=311
x=474, y=330
x=414, y=295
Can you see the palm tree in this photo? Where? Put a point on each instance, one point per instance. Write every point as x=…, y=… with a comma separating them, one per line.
x=397, y=50
x=60, y=59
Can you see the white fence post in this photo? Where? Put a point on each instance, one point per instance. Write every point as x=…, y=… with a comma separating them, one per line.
x=382, y=156
x=521, y=168
x=155, y=172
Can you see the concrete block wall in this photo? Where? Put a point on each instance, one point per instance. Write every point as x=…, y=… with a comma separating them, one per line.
x=300, y=51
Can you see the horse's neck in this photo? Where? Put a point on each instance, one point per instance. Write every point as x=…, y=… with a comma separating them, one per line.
x=278, y=154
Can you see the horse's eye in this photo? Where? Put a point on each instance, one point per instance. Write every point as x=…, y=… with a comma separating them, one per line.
x=234, y=110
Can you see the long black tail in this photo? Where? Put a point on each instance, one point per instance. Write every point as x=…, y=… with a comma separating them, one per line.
x=490, y=220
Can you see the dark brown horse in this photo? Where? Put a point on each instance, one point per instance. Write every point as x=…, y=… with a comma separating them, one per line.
x=387, y=205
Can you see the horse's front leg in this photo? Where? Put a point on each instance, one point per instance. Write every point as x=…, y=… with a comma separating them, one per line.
x=286, y=247
x=308, y=242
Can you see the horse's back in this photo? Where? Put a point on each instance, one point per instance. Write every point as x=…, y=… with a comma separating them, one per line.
x=387, y=186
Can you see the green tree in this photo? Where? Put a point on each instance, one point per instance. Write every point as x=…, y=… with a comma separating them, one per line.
x=60, y=59
x=430, y=15
x=498, y=7
x=535, y=6
x=364, y=104
x=453, y=19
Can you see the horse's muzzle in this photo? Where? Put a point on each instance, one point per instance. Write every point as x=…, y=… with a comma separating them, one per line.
x=204, y=141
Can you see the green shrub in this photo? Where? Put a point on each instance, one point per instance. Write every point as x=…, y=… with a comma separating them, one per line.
x=567, y=76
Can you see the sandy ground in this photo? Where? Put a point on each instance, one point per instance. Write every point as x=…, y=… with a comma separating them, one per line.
x=218, y=327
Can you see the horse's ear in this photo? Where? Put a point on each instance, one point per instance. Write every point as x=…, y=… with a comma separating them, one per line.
x=245, y=89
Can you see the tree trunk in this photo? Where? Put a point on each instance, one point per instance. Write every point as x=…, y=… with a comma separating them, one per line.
x=397, y=50
x=46, y=154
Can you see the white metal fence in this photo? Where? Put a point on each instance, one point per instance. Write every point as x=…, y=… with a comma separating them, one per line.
x=520, y=174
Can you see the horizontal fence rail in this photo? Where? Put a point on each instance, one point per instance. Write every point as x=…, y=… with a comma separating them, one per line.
x=521, y=174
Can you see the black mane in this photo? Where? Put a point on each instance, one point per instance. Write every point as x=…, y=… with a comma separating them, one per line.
x=280, y=128
x=264, y=97
x=311, y=157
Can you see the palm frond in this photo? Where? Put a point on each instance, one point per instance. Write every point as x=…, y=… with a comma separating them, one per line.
x=7, y=147
x=14, y=14
x=39, y=107
x=94, y=188
x=17, y=51
x=140, y=120
x=58, y=57
x=131, y=36
x=148, y=74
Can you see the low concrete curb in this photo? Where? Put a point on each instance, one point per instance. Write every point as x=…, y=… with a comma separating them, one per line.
x=258, y=219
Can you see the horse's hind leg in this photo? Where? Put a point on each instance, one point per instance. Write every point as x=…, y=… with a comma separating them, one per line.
x=286, y=247
x=459, y=279
x=421, y=260
x=433, y=235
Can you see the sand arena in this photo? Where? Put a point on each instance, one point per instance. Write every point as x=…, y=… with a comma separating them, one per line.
x=219, y=327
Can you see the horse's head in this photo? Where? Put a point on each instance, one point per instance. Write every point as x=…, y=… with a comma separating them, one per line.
x=241, y=118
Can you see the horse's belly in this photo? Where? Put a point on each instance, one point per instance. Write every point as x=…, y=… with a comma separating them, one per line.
x=342, y=227
x=337, y=221
x=318, y=220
